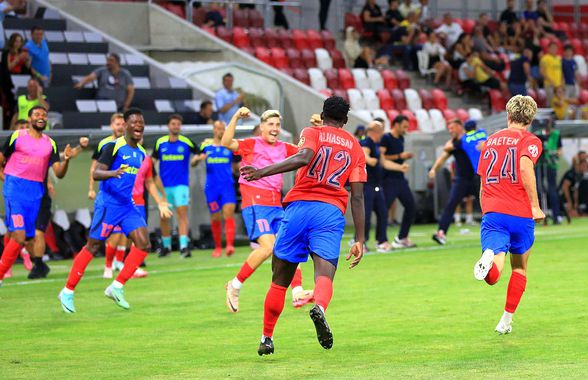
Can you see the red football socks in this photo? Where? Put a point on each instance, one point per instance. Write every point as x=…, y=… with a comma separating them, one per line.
x=323, y=291
x=216, y=233
x=493, y=275
x=297, y=280
x=11, y=252
x=516, y=287
x=120, y=253
x=272, y=308
x=109, y=254
x=245, y=272
x=134, y=259
x=78, y=268
x=230, y=231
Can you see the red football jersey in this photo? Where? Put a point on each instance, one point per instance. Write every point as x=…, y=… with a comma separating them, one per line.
x=338, y=157
x=500, y=173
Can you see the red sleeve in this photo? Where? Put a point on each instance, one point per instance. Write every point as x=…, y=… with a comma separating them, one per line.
x=532, y=148
x=149, y=167
x=308, y=139
x=245, y=147
x=291, y=150
x=358, y=173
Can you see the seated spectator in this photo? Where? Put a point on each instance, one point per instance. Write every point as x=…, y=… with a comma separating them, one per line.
x=529, y=14
x=204, y=116
x=19, y=61
x=39, y=53
x=570, y=72
x=367, y=59
x=545, y=20
x=567, y=108
x=214, y=17
x=520, y=73
x=467, y=74
x=408, y=6
x=114, y=82
x=404, y=42
x=425, y=16
x=484, y=21
x=485, y=76
x=393, y=15
x=24, y=103
x=551, y=71
x=351, y=46
x=487, y=54
x=372, y=17
x=450, y=30
x=508, y=15
x=436, y=53
x=569, y=186
x=462, y=48
x=227, y=99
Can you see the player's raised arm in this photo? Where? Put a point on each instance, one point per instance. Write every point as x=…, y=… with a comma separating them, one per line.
x=530, y=185
x=358, y=213
x=228, y=140
x=60, y=167
x=438, y=163
x=295, y=162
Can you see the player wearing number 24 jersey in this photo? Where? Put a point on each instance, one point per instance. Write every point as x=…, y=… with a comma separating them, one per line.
x=509, y=202
x=314, y=220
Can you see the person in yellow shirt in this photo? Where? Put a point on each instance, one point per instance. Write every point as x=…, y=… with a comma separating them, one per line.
x=550, y=67
x=561, y=106
x=484, y=75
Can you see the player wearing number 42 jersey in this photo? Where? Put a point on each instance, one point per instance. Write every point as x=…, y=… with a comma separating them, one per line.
x=314, y=220
x=509, y=203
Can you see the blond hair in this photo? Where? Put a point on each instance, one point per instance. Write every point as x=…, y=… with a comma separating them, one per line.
x=269, y=114
x=115, y=116
x=521, y=109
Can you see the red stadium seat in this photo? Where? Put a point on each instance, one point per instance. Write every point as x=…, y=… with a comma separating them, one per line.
x=209, y=29
x=392, y=115
x=346, y=79
x=351, y=19
x=338, y=60
x=564, y=27
x=439, y=99
x=386, y=101
x=332, y=76
x=533, y=95
x=399, y=99
x=577, y=45
x=412, y=121
x=240, y=18
x=541, y=98
x=583, y=31
x=326, y=92
x=389, y=78
x=328, y=40
x=426, y=99
x=308, y=58
x=575, y=31
x=468, y=25
x=240, y=37
x=257, y=37
x=199, y=16
x=342, y=93
x=583, y=98
x=263, y=55
x=300, y=40
x=449, y=115
x=224, y=34
x=249, y=50
x=256, y=19
x=271, y=37
x=497, y=101
x=295, y=58
x=287, y=71
x=462, y=114
x=403, y=79
x=314, y=39
x=302, y=76
x=285, y=38
x=584, y=82
x=279, y=59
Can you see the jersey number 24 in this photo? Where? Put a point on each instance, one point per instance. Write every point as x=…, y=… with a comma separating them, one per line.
x=320, y=165
x=508, y=167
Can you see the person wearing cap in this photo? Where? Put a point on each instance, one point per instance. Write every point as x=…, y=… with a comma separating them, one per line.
x=261, y=205
x=359, y=132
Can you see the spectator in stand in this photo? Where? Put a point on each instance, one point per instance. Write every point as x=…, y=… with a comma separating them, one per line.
x=508, y=15
x=408, y=6
x=570, y=72
x=204, y=116
x=487, y=54
x=425, y=12
x=367, y=59
x=227, y=100
x=19, y=61
x=214, y=17
x=351, y=46
x=562, y=109
x=485, y=76
x=114, y=82
x=393, y=15
x=551, y=71
x=462, y=49
x=8, y=7
x=450, y=30
x=280, y=19
x=405, y=41
x=436, y=53
x=568, y=188
x=39, y=52
x=373, y=19
x=484, y=21
x=34, y=97
x=529, y=14
x=520, y=73
x=467, y=74
x=545, y=20
x=324, y=13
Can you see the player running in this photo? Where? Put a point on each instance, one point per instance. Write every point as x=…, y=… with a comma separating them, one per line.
x=117, y=168
x=27, y=153
x=314, y=220
x=220, y=188
x=117, y=243
x=509, y=203
x=261, y=200
x=173, y=153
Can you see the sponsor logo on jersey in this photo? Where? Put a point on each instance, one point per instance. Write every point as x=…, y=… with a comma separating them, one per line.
x=172, y=157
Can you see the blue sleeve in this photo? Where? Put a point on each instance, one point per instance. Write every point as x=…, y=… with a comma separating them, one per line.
x=218, y=101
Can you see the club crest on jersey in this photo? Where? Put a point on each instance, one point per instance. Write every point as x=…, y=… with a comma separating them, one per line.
x=533, y=150
x=181, y=149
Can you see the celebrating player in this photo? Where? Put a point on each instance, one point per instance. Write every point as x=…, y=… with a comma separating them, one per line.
x=220, y=188
x=314, y=220
x=509, y=203
x=28, y=154
x=173, y=153
x=117, y=168
x=262, y=200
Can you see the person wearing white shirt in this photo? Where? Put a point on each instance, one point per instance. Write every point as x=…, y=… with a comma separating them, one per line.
x=436, y=53
x=450, y=29
x=409, y=6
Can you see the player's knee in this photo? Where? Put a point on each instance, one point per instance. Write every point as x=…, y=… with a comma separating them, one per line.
x=93, y=247
x=19, y=237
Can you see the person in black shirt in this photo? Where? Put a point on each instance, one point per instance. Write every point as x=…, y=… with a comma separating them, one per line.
x=393, y=15
x=465, y=182
x=509, y=15
x=395, y=185
x=372, y=18
x=569, y=187
x=205, y=114
x=520, y=73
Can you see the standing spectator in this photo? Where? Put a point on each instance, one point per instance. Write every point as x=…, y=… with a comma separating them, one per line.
x=508, y=15
x=214, y=17
x=485, y=76
x=33, y=97
x=461, y=50
x=324, y=13
x=520, y=73
x=393, y=15
x=570, y=71
x=408, y=6
x=279, y=17
x=204, y=116
x=39, y=52
x=227, y=100
x=351, y=46
x=372, y=17
x=529, y=14
x=19, y=61
x=450, y=30
x=551, y=70
x=8, y=7
x=436, y=53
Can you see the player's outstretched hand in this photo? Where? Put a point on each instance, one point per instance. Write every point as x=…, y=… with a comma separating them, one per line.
x=538, y=215
x=164, y=211
x=357, y=252
x=250, y=173
x=120, y=171
x=91, y=194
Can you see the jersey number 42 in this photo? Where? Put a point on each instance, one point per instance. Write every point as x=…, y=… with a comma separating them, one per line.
x=321, y=167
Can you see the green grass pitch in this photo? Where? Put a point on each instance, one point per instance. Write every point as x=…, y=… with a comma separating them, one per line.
x=415, y=314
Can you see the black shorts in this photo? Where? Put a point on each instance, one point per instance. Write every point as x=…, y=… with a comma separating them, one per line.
x=44, y=217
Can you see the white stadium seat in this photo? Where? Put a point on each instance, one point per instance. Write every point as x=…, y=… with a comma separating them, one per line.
x=424, y=121
x=73, y=36
x=361, y=80
x=60, y=218
x=382, y=115
x=78, y=58
x=581, y=62
x=142, y=82
x=133, y=59
x=317, y=79
x=413, y=100
x=97, y=59
x=162, y=105
x=59, y=58
x=93, y=37
x=83, y=217
x=375, y=79
x=356, y=99
x=438, y=120
x=177, y=82
x=323, y=59
x=20, y=80
x=54, y=36
x=370, y=99
x=475, y=114
x=106, y=106
x=86, y=105
x=76, y=78
x=364, y=114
